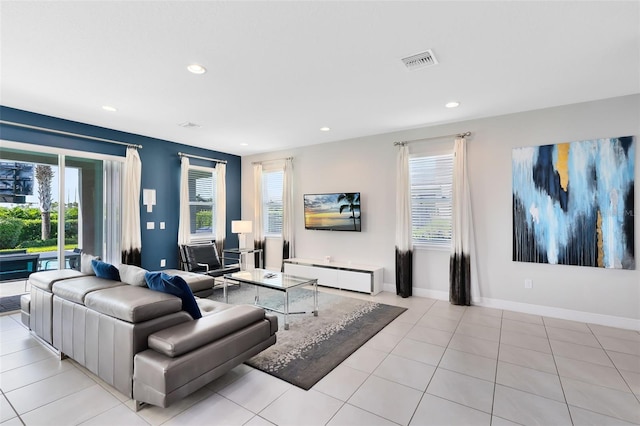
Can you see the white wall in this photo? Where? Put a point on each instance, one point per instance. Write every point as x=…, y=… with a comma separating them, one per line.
x=368, y=165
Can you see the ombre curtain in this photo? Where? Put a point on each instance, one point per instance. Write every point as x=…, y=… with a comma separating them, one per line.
x=221, y=205
x=184, y=221
x=112, y=175
x=462, y=230
x=287, y=213
x=404, y=242
x=131, y=238
x=259, y=241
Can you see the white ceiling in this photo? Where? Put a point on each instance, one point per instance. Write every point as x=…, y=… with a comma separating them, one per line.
x=278, y=71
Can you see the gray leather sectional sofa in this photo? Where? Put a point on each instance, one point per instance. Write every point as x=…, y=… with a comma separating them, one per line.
x=139, y=340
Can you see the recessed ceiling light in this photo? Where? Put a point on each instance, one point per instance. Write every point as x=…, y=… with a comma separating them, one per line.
x=324, y=129
x=244, y=144
x=109, y=108
x=453, y=104
x=197, y=69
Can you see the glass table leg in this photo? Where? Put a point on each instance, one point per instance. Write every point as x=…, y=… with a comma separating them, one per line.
x=286, y=310
x=315, y=298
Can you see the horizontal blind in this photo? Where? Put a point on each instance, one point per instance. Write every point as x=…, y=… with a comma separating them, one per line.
x=202, y=199
x=272, y=188
x=431, y=193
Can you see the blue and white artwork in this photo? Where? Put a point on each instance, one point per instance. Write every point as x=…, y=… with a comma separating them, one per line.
x=573, y=203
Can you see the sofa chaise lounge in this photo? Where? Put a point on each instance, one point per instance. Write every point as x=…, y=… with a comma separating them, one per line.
x=140, y=341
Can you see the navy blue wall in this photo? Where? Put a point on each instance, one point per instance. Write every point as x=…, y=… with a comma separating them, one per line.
x=160, y=171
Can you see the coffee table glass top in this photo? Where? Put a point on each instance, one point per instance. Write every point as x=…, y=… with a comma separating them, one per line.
x=265, y=278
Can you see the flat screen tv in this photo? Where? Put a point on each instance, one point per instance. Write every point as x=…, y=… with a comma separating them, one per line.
x=338, y=211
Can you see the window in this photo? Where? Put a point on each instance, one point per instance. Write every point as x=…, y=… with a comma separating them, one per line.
x=431, y=192
x=202, y=204
x=272, y=189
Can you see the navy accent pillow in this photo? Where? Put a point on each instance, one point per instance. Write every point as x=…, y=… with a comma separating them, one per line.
x=105, y=270
x=176, y=285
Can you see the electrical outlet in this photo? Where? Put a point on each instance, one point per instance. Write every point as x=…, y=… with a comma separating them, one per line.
x=163, y=263
x=161, y=225
x=528, y=283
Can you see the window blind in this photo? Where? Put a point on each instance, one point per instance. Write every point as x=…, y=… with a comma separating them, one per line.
x=431, y=194
x=202, y=196
x=272, y=190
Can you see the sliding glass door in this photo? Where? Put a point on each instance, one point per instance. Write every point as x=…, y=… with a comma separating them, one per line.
x=72, y=205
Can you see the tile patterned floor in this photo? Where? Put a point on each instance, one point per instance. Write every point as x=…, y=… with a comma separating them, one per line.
x=436, y=364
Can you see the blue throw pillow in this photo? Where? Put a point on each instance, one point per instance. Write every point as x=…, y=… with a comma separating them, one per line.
x=105, y=270
x=159, y=281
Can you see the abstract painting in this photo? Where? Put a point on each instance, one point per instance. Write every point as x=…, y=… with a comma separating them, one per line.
x=573, y=203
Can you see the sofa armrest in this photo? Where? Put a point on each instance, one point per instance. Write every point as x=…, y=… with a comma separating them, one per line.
x=273, y=322
x=182, y=338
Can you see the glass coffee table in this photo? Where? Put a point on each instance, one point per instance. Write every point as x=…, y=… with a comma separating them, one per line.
x=276, y=281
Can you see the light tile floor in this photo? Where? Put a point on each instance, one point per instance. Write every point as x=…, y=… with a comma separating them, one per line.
x=436, y=364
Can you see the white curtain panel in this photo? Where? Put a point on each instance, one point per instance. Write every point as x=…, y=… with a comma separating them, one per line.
x=112, y=175
x=184, y=221
x=221, y=205
x=259, y=241
x=404, y=242
x=462, y=230
x=287, y=214
x=131, y=238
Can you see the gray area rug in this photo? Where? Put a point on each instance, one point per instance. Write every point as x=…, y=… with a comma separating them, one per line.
x=10, y=303
x=313, y=346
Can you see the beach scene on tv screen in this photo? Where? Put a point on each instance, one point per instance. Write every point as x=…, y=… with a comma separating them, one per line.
x=332, y=212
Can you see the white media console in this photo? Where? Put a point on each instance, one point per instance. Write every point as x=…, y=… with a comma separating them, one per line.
x=342, y=275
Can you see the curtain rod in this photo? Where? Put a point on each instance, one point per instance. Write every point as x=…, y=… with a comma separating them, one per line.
x=182, y=154
x=61, y=132
x=275, y=159
x=458, y=135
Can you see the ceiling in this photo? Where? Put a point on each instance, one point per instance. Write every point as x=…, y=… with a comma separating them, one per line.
x=278, y=71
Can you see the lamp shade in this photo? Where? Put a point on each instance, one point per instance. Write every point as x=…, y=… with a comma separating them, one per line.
x=241, y=226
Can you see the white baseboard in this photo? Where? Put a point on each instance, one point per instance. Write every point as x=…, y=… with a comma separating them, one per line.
x=567, y=314
x=431, y=294
x=546, y=311
x=420, y=292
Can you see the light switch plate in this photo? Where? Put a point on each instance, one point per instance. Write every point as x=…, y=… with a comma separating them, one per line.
x=163, y=263
x=161, y=225
x=151, y=225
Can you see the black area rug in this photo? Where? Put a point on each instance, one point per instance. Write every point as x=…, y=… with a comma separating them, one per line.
x=10, y=303
x=313, y=346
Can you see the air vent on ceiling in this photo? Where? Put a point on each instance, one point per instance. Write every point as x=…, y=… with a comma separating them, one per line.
x=189, y=125
x=420, y=60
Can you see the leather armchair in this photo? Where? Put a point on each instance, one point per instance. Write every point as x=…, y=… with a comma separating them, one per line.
x=203, y=258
